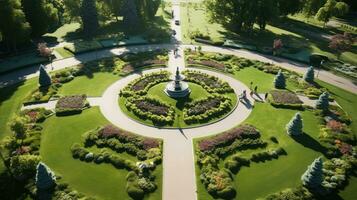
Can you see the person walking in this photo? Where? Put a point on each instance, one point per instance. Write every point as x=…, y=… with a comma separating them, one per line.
x=265, y=96
x=251, y=85
x=255, y=89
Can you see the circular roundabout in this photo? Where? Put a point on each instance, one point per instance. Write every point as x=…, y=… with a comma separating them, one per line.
x=135, y=98
x=198, y=100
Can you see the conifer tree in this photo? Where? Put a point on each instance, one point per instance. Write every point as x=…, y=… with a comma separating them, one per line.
x=294, y=127
x=89, y=17
x=45, y=178
x=44, y=78
x=309, y=75
x=313, y=176
x=279, y=81
x=323, y=102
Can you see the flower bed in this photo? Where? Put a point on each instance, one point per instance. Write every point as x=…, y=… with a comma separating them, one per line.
x=130, y=67
x=285, y=99
x=210, y=83
x=208, y=63
x=70, y=105
x=140, y=180
x=242, y=132
x=148, y=108
x=141, y=85
x=205, y=109
x=37, y=114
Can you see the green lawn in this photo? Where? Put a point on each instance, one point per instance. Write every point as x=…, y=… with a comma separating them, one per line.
x=11, y=99
x=157, y=92
x=261, y=179
x=94, y=85
x=300, y=38
x=63, y=52
x=100, y=180
x=259, y=78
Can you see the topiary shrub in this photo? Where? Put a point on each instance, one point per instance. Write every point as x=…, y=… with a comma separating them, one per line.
x=279, y=81
x=45, y=178
x=323, y=102
x=313, y=176
x=44, y=79
x=309, y=75
x=294, y=127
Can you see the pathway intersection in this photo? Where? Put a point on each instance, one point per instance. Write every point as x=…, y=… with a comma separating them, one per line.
x=179, y=179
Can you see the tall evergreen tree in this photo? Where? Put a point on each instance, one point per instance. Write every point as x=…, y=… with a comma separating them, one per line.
x=313, y=176
x=41, y=15
x=309, y=75
x=13, y=25
x=45, y=178
x=44, y=78
x=294, y=127
x=89, y=17
x=323, y=102
x=130, y=14
x=279, y=81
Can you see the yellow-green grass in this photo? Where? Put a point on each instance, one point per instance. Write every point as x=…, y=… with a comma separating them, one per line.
x=261, y=179
x=63, y=52
x=157, y=92
x=93, y=85
x=264, y=81
x=98, y=180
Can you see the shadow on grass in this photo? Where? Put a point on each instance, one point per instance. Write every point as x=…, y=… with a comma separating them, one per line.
x=309, y=142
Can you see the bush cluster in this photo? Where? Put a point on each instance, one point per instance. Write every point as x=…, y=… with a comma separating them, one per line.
x=206, y=109
x=219, y=183
x=267, y=155
x=41, y=94
x=37, y=114
x=70, y=105
x=235, y=163
x=145, y=107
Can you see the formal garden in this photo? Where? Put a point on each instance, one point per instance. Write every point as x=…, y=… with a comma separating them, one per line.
x=161, y=99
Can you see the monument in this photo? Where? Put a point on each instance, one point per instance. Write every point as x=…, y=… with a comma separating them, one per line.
x=177, y=88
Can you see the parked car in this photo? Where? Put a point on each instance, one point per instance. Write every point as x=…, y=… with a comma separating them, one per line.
x=177, y=22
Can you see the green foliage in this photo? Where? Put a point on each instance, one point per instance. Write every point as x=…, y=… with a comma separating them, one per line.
x=313, y=176
x=45, y=178
x=309, y=75
x=44, y=79
x=89, y=17
x=330, y=9
x=24, y=166
x=41, y=15
x=323, y=102
x=18, y=126
x=279, y=81
x=294, y=127
x=13, y=26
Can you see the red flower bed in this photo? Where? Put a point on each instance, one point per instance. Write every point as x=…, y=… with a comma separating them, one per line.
x=243, y=131
x=152, y=107
x=70, y=104
x=142, y=83
x=134, y=65
x=285, y=97
x=149, y=143
x=335, y=126
x=204, y=106
x=109, y=131
x=208, y=63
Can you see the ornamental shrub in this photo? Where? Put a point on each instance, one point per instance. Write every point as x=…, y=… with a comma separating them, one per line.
x=313, y=176
x=309, y=75
x=323, y=102
x=45, y=178
x=279, y=81
x=44, y=79
x=294, y=127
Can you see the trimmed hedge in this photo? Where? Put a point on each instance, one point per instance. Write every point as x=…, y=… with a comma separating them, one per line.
x=285, y=99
